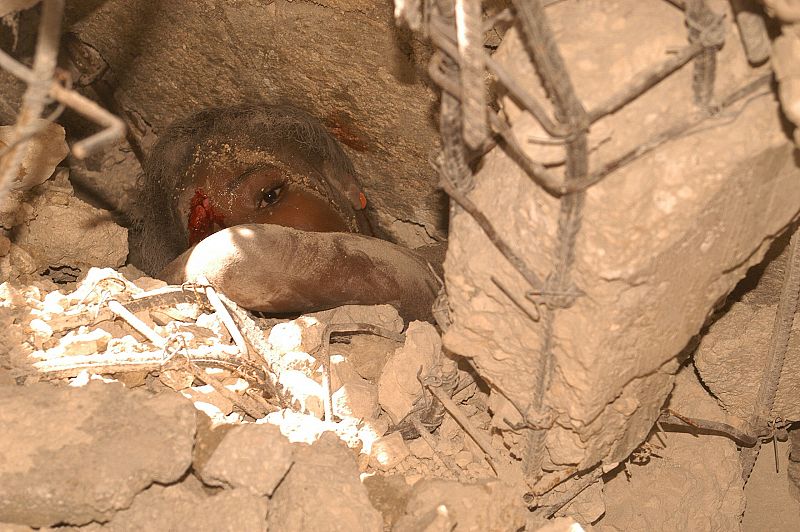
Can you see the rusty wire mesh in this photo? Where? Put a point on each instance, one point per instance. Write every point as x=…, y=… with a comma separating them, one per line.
x=458, y=66
x=47, y=84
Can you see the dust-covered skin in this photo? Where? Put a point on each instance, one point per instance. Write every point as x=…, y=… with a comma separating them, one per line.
x=248, y=185
x=224, y=180
x=282, y=270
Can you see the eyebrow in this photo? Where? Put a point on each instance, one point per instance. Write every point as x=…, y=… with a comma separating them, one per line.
x=238, y=180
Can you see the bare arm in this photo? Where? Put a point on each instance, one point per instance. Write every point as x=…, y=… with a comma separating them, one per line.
x=278, y=269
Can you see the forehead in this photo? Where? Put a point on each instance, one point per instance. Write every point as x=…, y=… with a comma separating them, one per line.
x=225, y=159
x=217, y=154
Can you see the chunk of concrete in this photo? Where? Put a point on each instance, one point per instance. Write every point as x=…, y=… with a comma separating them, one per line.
x=398, y=386
x=322, y=491
x=76, y=455
x=186, y=506
x=388, y=451
x=254, y=457
x=66, y=231
x=659, y=241
x=732, y=356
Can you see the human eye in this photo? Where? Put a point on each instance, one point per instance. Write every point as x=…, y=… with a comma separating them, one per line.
x=269, y=196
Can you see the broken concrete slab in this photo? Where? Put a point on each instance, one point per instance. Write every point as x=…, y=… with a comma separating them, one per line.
x=186, y=506
x=325, y=471
x=76, y=455
x=253, y=457
x=661, y=240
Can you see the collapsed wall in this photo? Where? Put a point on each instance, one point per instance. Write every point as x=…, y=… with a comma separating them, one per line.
x=661, y=241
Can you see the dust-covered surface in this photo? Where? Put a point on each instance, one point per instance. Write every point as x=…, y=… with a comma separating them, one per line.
x=731, y=357
x=343, y=61
x=290, y=470
x=77, y=455
x=772, y=500
x=189, y=429
x=681, y=481
x=661, y=240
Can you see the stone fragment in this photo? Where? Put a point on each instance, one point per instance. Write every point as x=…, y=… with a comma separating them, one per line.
x=388, y=451
x=420, y=448
x=731, y=357
x=302, y=334
x=255, y=457
x=186, y=506
x=342, y=370
x=208, y=437
x=486, y=505
x=385, y=316
x=305, y=392
x=145, y=283
x=41, y=332
x=357, y=399
x=74, y=455
x=72, y=234
x=20, y=262
x=399, y=386
x=82, y=343
x=389, y=495
x=204, y=398
x=43, y=152
x=322, y=491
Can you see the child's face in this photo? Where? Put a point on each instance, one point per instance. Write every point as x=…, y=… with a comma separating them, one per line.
x=227, y=185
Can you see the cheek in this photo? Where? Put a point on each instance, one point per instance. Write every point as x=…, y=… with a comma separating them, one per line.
x=305, y=212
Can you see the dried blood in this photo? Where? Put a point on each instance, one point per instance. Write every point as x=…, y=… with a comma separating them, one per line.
x=202, y=217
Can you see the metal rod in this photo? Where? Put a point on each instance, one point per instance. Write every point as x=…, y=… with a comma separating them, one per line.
x=35, y=97
x=114, y=127
x=644, y=81
x=779, y=342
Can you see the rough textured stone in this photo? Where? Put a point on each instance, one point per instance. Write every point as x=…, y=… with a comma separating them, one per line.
x=732, y=356
x=207, y=438
x=487, y=505
x=389, y=495
x=43, y=152
x=661, y=240
x=357, y=398
x=694, y=484
x=398, y=385
x=64, y=230
x=186, y=507
x=77, y=455
x=255, y=457
x=388, y=451
x=342, y=60
x=322, y=492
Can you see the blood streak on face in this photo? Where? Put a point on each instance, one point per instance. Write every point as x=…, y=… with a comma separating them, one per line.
x=202, y=217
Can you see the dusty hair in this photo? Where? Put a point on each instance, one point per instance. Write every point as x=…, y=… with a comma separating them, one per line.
x=162, y=232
